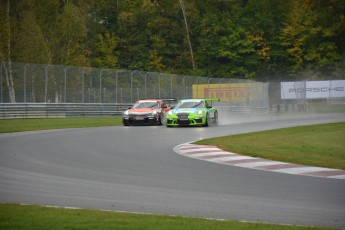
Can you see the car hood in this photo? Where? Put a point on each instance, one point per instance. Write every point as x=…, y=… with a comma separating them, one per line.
x=186, y=110
x=142, y=110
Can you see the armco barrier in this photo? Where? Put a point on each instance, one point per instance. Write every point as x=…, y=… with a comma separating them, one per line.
x=45, y=110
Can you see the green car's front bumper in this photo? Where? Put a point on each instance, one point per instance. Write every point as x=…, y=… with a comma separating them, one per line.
x=185, y=120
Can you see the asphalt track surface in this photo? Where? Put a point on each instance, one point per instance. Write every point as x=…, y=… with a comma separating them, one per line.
x=135, y=169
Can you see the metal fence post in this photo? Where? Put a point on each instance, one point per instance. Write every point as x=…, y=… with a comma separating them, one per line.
x=82, y=85
x=25, y=82
x=100, y=86
x=145, y=85
x=46, y=85
x=117, y=75
x=121, y=94
x=65, y=90
x=208, y=87
x=171, y=87
x=1, y=82
x=184, y=86
x=220, y=85
x=132, y=85
x=159, y=85
x=197, y=87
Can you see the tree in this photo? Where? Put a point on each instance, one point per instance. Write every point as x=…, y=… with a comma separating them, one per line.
x=215, y=38
x=107, y=57
x=155, y=63
x=8, y=52
x=310, y=36
x=31, y=45
x=225, y=45
x=238, y=51
x=70, y=33
x=263, y=21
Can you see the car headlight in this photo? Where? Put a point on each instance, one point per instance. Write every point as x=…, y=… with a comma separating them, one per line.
x=154, y=112
x=200, y=112
x=170, y=113
x=125, y=113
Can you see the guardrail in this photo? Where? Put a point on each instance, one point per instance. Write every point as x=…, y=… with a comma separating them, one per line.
x=50, y=110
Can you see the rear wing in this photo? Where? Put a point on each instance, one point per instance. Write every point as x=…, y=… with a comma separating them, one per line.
x=168, y=100
x=210, y=100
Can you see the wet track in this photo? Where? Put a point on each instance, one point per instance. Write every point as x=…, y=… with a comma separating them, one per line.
x=135, y=169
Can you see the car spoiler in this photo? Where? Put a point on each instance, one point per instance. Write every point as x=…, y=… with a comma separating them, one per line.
x=169, y=100
x=211, y=99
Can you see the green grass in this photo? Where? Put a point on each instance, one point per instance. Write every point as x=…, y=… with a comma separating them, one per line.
x=318, y=145
x=19, y=125
x=29, y=217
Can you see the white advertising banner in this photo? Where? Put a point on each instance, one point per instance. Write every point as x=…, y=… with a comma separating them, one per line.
x=312, y=89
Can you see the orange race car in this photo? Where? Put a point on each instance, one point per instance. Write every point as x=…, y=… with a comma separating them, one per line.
x=147, y=112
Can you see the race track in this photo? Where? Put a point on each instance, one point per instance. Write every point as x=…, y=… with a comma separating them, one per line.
x=135, y=169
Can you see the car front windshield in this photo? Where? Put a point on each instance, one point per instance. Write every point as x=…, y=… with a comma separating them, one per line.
x=145, y=104
x=190, y=104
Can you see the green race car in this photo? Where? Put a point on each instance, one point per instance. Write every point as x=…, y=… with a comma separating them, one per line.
x=193, y=112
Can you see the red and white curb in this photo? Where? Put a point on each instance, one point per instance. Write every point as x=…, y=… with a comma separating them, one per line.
x=216, y=155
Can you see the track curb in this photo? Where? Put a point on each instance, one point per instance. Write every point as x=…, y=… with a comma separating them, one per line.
x=216, y=155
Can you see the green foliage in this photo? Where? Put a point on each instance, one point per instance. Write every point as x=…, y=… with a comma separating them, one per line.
x=310, y=35
x=105, y=47
x=232, y=38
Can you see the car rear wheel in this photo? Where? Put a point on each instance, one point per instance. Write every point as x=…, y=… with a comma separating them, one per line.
x=215, y=118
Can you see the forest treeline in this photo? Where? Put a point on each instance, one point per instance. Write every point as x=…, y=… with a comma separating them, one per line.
x=264, y=40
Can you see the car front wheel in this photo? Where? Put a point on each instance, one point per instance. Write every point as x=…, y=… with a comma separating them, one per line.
x=162, y=119
x=208, y=120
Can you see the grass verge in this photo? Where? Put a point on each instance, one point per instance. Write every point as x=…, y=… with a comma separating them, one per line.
x=20, y=125
x=29, y=217
x=317, y=145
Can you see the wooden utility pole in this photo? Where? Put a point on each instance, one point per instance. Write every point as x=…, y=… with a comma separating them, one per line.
x=9, y=77
x=187, y=32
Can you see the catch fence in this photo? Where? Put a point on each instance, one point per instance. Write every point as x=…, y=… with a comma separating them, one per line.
x=54, y=86
x=34, y=83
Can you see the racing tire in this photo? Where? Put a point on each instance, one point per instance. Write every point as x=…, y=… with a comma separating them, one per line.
x=125, y=123
x=207, y=120
x=162, y=120
x=215, y=118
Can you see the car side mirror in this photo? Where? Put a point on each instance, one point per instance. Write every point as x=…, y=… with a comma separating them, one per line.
x=208, y=106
